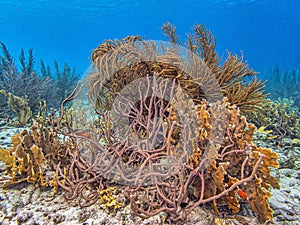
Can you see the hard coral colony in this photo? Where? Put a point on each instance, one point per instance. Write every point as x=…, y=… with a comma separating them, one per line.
x=205, y=153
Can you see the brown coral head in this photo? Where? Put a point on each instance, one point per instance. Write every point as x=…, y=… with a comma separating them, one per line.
x=146, y=93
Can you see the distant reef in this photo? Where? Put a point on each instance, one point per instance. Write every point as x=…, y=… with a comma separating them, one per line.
x=23, y=85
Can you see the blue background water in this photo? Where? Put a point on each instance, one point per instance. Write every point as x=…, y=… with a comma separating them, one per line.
x=267, y=31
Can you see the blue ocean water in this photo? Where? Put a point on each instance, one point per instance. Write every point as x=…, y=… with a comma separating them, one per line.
x=267, y=31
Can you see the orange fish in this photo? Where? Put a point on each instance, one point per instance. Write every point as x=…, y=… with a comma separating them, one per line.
x=242, y=194
x=83, y=134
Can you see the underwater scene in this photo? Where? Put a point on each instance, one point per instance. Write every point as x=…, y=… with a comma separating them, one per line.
x=150, y=112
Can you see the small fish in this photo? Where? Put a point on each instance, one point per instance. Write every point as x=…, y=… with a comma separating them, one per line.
x=296, y=141
x=242, y=194
x=272, y=137
x=83, y=134
x=183, y=204
x=263, y=130
x=226, y=178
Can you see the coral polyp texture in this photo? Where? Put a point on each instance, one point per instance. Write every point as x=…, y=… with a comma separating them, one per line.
x=162, y=129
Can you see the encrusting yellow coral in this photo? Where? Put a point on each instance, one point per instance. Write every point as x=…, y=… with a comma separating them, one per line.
x=107, y=198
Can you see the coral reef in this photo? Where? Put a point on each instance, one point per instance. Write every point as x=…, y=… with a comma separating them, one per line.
x=167, y=139
x=212, y=175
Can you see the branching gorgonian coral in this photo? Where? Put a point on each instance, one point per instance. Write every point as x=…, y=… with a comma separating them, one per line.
x=162, y=124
